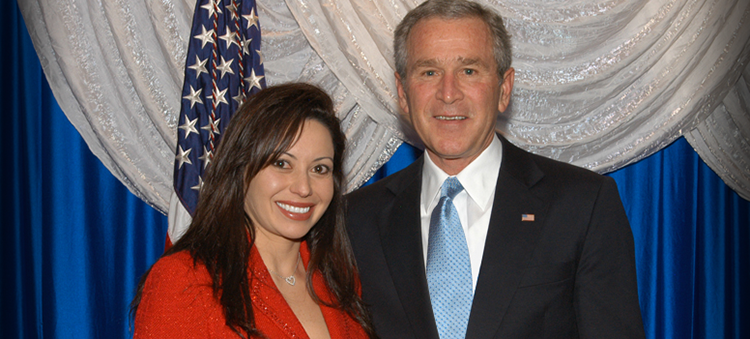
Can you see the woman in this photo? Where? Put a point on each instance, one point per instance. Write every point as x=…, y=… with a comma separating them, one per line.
x=267, y=253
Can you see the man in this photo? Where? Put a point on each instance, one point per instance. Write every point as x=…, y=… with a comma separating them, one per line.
x=477, y=238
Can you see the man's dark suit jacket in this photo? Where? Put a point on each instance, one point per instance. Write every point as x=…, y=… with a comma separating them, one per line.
x=568, y=273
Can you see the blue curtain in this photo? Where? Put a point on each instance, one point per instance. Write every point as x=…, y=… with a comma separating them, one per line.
x=692, y=239
x=75, y=241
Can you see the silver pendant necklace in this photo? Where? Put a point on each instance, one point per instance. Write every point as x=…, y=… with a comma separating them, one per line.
x=290, y=279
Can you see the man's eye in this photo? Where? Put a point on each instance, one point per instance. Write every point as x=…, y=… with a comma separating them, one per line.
x=469, y=71
x=429, y=73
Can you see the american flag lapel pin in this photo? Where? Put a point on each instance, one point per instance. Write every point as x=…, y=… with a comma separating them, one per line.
x=527, y=217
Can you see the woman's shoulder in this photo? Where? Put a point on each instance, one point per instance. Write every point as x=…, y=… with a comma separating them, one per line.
x=178, y=265
x=177, y=273
x=177, y=300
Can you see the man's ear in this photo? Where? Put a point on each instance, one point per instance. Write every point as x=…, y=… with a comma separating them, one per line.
x=402, y=95
x=506, y=88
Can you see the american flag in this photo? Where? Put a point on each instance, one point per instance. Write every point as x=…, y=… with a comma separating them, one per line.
x=224, y=65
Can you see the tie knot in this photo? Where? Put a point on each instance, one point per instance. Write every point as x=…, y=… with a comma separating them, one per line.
x=451, y=187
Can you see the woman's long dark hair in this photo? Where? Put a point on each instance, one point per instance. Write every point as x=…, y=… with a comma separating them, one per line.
x=262, y=129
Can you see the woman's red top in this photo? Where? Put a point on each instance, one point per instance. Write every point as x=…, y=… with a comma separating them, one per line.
x=178, y=302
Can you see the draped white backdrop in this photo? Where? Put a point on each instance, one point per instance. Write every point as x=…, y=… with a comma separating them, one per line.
x=600, y=84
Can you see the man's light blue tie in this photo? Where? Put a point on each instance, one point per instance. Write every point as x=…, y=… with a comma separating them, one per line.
x=448, y=266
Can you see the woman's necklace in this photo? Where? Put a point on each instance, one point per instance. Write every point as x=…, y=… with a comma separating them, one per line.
x=290, y=279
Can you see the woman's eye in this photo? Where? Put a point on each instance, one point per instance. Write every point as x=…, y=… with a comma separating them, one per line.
x=280, y=163
x=321, y=169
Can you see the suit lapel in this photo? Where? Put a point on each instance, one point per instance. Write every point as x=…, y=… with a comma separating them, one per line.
x=402, y=247
x=510, y=241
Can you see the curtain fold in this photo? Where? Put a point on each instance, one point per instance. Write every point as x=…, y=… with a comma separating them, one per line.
x=598, y=84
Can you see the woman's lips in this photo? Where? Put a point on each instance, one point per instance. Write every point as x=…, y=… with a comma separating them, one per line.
x=296, y=211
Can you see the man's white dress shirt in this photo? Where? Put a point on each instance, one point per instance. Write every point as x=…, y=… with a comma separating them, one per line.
x=474, y=203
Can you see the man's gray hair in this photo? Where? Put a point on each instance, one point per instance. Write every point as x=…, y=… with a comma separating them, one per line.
x=453, y=9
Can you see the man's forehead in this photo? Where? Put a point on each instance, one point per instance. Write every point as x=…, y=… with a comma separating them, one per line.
x=436, y=29
x=429, y=23
x=437, y=62
x=435, y=42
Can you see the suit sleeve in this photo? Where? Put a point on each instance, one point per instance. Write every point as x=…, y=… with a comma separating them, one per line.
x=606, y=289
x=177, y=302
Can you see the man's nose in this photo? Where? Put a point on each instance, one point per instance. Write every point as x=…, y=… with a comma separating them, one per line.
x=449, y=90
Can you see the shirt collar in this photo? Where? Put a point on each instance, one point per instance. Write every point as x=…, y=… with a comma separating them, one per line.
x=479, y=178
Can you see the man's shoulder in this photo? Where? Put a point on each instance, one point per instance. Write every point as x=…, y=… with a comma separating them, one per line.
x=552, y=165
x=389, y=186
x=564, y=182
x=551, y=168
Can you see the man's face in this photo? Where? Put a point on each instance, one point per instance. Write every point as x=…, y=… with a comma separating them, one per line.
x=451, y=92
